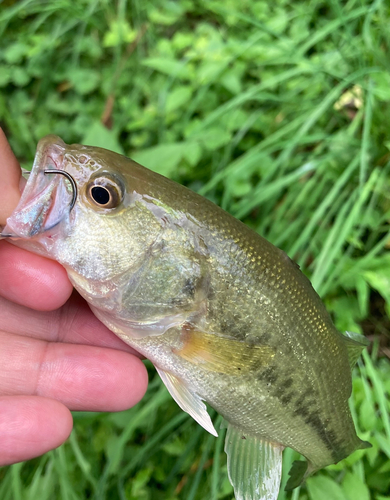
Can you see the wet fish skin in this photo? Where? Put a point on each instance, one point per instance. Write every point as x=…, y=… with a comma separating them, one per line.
x=219, y=310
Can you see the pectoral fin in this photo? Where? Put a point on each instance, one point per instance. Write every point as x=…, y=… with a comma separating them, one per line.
x=217, y=353
x=355, y=344
x=188, y=401
x=254, y=465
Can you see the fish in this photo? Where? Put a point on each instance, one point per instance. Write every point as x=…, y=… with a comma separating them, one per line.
x=226, y=318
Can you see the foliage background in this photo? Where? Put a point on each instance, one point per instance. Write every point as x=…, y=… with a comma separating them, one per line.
x=277, y=111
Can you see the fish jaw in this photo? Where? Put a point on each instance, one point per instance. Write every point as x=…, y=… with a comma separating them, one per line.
x=45, y=201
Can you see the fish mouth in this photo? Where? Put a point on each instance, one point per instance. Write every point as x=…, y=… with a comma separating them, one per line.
x=48, y=197
x=73, y=184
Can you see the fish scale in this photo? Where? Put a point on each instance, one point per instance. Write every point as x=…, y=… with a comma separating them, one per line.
x=225, y=316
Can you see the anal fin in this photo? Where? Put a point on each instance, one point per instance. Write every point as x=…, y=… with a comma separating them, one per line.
x=254, y=465
x=188, y=400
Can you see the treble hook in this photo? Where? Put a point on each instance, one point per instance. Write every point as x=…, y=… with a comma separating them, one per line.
x=70, y=179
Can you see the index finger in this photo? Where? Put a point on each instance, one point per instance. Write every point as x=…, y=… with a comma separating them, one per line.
x=73, y=323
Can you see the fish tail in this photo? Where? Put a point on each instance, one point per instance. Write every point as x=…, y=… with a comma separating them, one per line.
x=301, y=470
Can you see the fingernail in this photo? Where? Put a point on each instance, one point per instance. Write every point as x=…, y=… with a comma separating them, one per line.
x=22, y=184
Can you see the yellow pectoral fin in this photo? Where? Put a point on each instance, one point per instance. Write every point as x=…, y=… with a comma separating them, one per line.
x=222, y=354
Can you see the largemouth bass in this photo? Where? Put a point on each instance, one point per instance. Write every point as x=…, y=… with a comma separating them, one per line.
x=225, y=317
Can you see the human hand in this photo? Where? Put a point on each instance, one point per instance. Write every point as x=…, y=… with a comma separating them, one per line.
x=55, y=356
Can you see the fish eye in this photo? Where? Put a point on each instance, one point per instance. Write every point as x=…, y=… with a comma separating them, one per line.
x=104, y=192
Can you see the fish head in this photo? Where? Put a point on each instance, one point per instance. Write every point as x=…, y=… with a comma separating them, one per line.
x=82, y=206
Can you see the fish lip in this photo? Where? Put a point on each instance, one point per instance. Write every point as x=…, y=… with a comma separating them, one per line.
x=42, y=206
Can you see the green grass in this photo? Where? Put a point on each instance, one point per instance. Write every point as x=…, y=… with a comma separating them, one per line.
x=277, y=111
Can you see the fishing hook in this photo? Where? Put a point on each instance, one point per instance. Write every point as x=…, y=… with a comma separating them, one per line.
x=70, y=179
x=74, y=190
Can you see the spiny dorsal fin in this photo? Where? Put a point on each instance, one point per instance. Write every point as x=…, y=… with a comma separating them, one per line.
x=217, y=353
x=355, y=344
x=254, y=465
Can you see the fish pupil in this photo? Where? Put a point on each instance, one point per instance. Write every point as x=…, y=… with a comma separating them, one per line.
x=100, y=195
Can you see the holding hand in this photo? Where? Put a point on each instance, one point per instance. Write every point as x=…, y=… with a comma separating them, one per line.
x=55, y=356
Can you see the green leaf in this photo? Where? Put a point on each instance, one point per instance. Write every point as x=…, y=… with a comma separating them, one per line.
x=5, y=75
x=99, y=135
x=175, y=447
x=119, y=32
x=363, y=295
x=367, y=415
x=231, y=81
x=347, y=313
x=209, y=71
x=212, y=138
x=182, y=40
x=171, y=13
x=192, y=153
x=169, y=67
x=380, y=281
x=384, y=442
x=15, y=52
x=20, y=76
x=84, y=80
x=381, y=85
x=139, y=481
x=354, y=488
x=235, y=119
x=163, y=158
x=178, y=97
x=323, y=488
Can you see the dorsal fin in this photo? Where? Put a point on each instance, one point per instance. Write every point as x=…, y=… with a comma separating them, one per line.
x=355, y=344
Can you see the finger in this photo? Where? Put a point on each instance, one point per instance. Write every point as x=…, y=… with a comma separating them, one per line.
x=10, y=178
x=31, y=426
x=81, y=377
x=32, y=280
x=73, y=323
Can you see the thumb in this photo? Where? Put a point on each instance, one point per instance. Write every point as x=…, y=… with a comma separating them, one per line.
x=11, y=179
